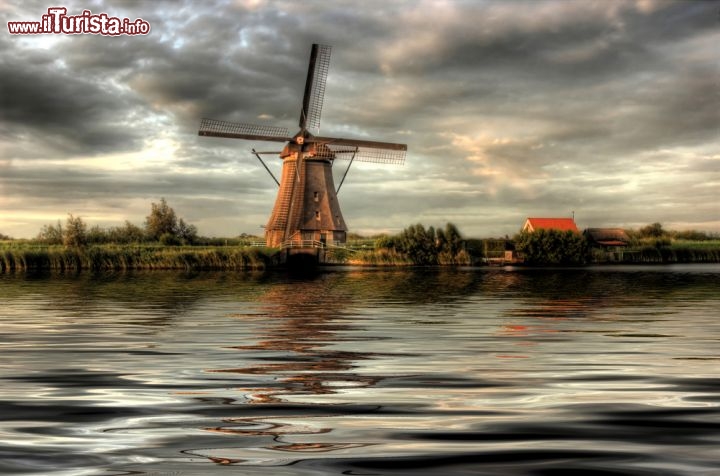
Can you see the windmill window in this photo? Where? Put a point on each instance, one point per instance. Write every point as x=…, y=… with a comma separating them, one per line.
x=317, y=196
x=317, y=215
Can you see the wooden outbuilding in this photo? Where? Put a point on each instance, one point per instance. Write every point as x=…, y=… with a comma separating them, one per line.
x=609, y=239
x=609, y=244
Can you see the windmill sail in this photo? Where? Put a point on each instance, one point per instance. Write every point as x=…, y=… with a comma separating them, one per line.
x=369, y=154
x=237, y=130
x=360, y=150
x=315, y=87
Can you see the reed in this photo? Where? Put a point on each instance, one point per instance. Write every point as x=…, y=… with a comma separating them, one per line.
x=126, y=257
x=679, y=251
x=380, y=257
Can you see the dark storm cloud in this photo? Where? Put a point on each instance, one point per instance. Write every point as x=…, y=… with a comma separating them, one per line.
x=60, y=109
x=593, y=40
x=571, y=67
x=223, y=62
x=76, y=184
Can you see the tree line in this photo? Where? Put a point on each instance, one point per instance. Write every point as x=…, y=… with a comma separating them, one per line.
x=651, y=243
x=418, y=245
x=655, y=231
x=415, y=244
x=161, y=225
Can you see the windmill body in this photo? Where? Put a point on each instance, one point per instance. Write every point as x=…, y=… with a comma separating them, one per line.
x=306, y=210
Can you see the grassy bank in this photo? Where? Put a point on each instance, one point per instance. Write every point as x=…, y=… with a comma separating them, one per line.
x=20, y=255
x=677, y=251
x=29, y=257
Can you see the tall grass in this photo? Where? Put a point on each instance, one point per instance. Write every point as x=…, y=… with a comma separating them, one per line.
x=677, y=251
x=380, y=257
x=125, y=257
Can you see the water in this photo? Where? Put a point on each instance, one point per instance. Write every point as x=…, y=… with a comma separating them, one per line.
x=597, y=371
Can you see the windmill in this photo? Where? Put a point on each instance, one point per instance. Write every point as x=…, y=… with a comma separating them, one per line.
x=306, y=208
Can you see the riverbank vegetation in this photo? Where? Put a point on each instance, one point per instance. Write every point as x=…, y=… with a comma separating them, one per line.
x=417, y=245
x=553, y=247
x=25, y=257
x=166, y=241
x=650, y=244
x=655, y=244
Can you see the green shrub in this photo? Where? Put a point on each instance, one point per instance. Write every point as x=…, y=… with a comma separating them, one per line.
x=169, y=239
x=553, y=247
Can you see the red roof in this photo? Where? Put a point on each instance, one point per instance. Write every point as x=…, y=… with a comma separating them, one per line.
x=561, y=224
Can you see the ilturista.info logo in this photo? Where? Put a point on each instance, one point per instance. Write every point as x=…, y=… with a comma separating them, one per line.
x=58, y=22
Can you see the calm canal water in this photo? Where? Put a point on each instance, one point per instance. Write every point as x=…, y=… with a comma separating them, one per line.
x=597, y=371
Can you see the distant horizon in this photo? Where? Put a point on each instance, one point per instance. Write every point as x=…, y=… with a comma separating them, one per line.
x=62, y=222
x=510, y=110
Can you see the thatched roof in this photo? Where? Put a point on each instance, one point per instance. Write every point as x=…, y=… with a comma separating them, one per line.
x=608, y=236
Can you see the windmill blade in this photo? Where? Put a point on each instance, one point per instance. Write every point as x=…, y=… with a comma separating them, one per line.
x=363, y=150
x=236, y=130
x=369, y=154
x=315, y=87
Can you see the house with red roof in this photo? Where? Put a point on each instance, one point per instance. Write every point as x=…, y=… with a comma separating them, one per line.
x=559, y=224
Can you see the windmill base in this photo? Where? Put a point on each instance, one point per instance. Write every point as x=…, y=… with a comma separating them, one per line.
x=304, y=258
x=301, y=258
x=305, y=238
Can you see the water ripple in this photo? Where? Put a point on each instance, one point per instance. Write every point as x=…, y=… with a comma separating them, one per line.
x=603, y=371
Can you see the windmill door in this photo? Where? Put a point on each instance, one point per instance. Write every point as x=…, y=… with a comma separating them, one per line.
x=323, y=239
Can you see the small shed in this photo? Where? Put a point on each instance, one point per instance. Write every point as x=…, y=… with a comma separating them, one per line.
x=608, y=244
x=608, y=239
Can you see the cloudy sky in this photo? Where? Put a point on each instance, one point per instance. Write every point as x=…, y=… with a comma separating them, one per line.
x=608, y=109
